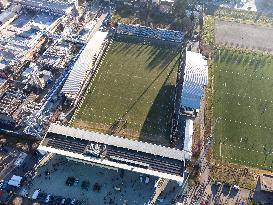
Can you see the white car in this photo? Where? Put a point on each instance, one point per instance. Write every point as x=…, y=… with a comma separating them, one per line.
x=63, y=200
x=36, y=193
x=73, y=201
x=47, y=198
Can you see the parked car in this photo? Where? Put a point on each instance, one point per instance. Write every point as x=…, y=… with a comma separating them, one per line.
x=41, y=197
x=236, y=187
x=67, y=201
x=47, y=198
x=63, y=201
x=36, y=193
x=76, y=181
x=58, y=200
x=3, y=184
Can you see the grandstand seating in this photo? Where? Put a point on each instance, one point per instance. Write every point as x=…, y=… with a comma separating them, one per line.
x=83, y=65
x=195, y=78
x=155, y=162
x=66, y=143
x=116, y=154
x=162, y=34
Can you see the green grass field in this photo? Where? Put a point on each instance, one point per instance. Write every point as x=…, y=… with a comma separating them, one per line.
x=133, y=92
x=243, y=108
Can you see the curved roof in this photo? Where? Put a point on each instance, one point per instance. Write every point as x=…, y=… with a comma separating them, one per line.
x=195, y=78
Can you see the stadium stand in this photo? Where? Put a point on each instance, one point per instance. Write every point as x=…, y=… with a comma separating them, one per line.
x=188, y=136
x=83, y=65
x=119, y=151
x=195, y=78
x=143, y=31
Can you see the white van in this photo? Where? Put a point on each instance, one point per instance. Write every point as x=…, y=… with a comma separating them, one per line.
x=35, y=194
x=63, y=200
x=47, y=198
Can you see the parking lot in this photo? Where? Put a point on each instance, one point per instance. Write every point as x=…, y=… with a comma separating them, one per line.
x=65, y=179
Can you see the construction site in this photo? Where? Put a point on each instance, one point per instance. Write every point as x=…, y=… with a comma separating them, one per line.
x=39, y=45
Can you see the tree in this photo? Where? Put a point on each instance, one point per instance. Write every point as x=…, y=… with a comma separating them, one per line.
x=180, y=7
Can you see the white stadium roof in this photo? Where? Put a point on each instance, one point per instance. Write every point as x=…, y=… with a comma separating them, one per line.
x=117, y=152
x=188, y=138
x=118, y=141
x=195, y=78
x=83, y=65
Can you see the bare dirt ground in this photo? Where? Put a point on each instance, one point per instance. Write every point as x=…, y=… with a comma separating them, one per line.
x=244, y=36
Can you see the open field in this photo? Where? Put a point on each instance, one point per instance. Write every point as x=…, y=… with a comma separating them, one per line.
x=243, y=35
x=133, y=92
x=243, y=107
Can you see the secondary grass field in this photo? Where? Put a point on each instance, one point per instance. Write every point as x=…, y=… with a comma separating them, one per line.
x=133, y=92
x=243, y=107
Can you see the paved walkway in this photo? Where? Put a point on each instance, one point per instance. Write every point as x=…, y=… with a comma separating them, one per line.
x=206, y=191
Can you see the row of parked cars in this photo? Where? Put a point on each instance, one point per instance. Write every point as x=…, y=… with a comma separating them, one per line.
x=51, y=199
x=3, y=184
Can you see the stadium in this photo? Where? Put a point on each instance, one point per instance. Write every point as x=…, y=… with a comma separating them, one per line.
x=133, y=114
x=140, y=98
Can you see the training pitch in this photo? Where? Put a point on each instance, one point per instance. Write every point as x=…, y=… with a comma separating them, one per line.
x=133, y=92
x=243, y=107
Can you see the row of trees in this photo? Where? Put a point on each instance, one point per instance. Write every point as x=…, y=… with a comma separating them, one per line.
x=150, y=15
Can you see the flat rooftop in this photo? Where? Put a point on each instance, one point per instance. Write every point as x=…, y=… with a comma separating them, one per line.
x=133, y=92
